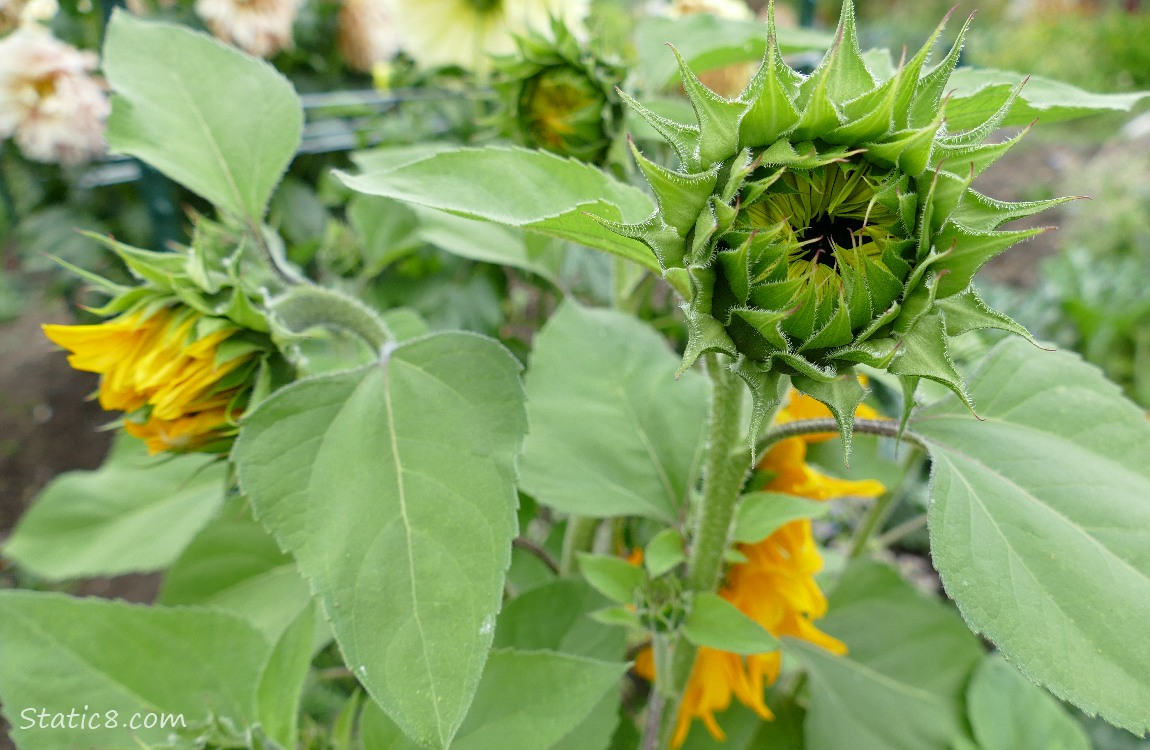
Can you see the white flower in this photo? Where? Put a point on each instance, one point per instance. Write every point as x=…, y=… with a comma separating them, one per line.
x=17, y=13
x=735, y=9
x=367, y=33
x=260, y=27
x=466, y=32
x=49, y=104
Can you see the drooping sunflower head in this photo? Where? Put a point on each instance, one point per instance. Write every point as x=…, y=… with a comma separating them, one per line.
x=181, y=378
x=560, y=96
x=827, y=220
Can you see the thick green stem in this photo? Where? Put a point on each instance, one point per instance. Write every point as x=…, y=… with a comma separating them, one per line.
x=726, y=465
x=305, y=307
x=579, y=537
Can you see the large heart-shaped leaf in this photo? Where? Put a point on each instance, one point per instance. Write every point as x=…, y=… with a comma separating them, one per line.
x=612, y=431
x=1040, y=524
x=393, y=487
x=219, y=122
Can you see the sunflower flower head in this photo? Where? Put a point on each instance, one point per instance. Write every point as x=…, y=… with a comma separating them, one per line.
x=181, y=377
x=774, y=585
x=561, y=96
x=184, y=352
x=826, y=220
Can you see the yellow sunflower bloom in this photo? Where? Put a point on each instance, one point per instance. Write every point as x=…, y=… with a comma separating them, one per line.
x=775, y=586
x=154, y=363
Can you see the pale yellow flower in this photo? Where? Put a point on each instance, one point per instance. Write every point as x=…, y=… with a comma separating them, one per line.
x=260, y=27
x=466, y=33
x=49, y=104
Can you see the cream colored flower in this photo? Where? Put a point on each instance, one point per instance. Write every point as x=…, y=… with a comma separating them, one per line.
x=367, y=33
x=466, y=32
x=49, y=104
x=735, y=9
x=261, y=27
x=17, y=13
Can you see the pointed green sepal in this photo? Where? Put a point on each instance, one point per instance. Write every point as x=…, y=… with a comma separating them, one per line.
x=767, y=389
x=704, y=334
x=977, y=212
x=976, y=159
x=909, y=150
x=970, y=251
x=718, y=117
x=923, y=353
x=979, y=134
x=842, y=396
x=771, y=112
x=680, y=196
x=967, y=312
x=847, y=74
x=684, y=139
x=928, y=96
x=836, y=332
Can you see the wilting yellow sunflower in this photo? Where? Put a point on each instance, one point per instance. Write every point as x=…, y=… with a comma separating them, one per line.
x=775, y=587
x=167, y=369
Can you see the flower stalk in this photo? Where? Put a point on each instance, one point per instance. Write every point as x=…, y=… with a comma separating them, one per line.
x=726, y=467
x=309, y=306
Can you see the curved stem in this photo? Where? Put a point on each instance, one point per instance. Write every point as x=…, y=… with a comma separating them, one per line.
x=304, y=307
x=544, y=556
x=883, y=427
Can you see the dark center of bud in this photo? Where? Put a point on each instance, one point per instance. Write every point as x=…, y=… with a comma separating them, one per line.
x=827, y=233
x=485, y=6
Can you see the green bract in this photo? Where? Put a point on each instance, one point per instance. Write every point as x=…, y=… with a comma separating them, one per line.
x=561, y=97
x=827, y=220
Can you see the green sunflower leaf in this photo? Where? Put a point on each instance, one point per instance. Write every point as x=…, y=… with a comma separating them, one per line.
x=901, y=683
x=408, y=557
x=1009, y=713
x=716, y=623
x=223, y=124
x=533, y=190
x=978, y=91
x=1040, y=524
x=134, y=514
x=612, y=430
x=61, y=654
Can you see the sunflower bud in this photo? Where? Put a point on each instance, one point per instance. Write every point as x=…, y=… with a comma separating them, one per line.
x=561, y=97
x=825, y=221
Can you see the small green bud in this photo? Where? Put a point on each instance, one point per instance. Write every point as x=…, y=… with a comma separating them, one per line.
x=561, y=97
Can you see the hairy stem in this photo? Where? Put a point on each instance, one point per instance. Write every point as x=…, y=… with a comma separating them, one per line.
x=725, y=469
x=304, y=307
x=882, y=427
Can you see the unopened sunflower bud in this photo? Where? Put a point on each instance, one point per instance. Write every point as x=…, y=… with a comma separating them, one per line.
x=561, y=97
x=827, y=220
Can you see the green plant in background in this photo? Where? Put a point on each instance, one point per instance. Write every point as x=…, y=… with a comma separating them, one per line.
x=424, y=540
